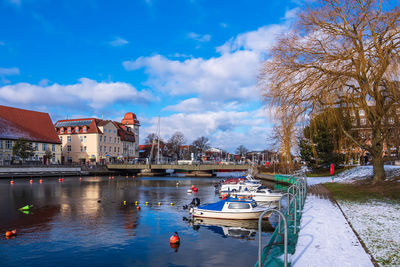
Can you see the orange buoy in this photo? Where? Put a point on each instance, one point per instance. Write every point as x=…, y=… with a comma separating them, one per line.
x=138, y=208
x=31, y=181
x=12, y=182
x=174, y=239
x=127, y=177
x=14, y=232
x=40, y=181
x=195, y=189
x=8, y=233
x=133, y=176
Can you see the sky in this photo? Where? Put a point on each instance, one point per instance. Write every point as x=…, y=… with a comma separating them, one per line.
x=194, y=63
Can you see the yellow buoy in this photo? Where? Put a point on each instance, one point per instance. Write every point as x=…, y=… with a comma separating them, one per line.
x=136, y=202
x=159, y=203
x=172, y=204
x=147, y=203
x=124, y=202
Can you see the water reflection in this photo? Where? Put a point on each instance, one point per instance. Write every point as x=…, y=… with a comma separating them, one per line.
x=86, y=221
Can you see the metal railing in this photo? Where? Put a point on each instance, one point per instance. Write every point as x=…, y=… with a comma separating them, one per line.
x=259, y=235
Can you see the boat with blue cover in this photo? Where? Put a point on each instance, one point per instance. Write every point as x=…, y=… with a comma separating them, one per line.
x=230, y=208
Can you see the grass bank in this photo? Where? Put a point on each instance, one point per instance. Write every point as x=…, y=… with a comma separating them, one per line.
x=365, y=191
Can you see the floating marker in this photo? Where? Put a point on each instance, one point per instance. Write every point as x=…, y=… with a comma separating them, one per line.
x=172, y=204
x=136, y=203
x=40, y=181
x=127, y=177
x=12, y=182
x=31, y=181
x=138, y=208
x=147, y=203
x=124, y=202
x=159, y=203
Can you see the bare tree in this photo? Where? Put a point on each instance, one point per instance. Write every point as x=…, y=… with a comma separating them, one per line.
x=150, y=138
x=201, y=144
x=242, y=150
x=341, y=54
x=174, y=144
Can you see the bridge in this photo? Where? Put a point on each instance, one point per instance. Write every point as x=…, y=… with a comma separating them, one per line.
x=201, y=170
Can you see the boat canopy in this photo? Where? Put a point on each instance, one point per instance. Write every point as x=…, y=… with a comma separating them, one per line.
x=220, y=204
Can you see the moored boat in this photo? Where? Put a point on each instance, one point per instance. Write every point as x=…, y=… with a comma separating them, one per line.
x=261, y=194
x=230, y=208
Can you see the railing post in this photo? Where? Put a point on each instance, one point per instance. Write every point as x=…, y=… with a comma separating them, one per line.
x=260, y=231
x=295, y=209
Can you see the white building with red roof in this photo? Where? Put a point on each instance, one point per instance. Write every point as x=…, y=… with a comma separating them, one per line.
x=33, y=126
x=91, y=140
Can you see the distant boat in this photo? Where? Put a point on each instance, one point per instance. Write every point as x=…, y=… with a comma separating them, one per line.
x=230, y=208
x=261, y=194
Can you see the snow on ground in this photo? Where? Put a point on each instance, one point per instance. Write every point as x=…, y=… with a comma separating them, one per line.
x=378, y=224
x=356, y=173
x=326, y=239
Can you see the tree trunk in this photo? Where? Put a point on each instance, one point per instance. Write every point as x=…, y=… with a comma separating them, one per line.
x=379, y=171
x=377, y=151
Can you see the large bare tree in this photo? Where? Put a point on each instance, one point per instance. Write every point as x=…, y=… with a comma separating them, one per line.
x=340, y=54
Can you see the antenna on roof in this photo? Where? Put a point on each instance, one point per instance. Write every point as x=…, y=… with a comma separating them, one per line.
x=102, y=117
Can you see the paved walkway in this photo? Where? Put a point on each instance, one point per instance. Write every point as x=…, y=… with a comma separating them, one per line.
x=325, y=237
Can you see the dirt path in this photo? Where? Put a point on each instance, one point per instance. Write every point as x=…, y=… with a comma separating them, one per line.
x=320, y=191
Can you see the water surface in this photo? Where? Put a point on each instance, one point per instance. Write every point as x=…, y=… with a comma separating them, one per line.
x=85, y=223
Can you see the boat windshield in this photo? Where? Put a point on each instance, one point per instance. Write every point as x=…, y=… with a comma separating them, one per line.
x=254, y=204
x=238, y=205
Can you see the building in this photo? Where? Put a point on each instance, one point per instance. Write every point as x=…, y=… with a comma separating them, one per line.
x=35, y=127
x=92, y=140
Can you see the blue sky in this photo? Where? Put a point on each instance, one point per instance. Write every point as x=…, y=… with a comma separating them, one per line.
x=194, y=63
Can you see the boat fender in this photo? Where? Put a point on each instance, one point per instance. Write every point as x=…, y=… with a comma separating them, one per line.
x=174, y=239
x=191, y=210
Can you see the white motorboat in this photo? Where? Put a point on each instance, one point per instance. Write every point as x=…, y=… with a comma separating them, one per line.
x=261, y=194
x=241, y=185
x=230, y=208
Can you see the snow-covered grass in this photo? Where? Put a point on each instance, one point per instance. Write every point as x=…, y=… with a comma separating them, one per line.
x=378, y=224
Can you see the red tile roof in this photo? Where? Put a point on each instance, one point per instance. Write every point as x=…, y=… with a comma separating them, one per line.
x=130, y=118
x=34, y=126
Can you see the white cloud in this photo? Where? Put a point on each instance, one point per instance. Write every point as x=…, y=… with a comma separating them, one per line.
x=223, y=25
x=95, y=94
x=224, y=128
x=9, y=71
x=118, y=41
x=199, y=37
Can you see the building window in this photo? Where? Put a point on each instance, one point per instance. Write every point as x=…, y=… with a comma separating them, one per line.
x=115, y=140
x=115, y=149
x=8, y=144
x=105, y=149
x=354, y=122
x=109, y=130
x=100, y=148
x=105, y=139
x=101, y=137
x=110, y=139
x=61, y=139
x=84, y=148
x=363, y=121
x=77, y=129
x=69, y=130
x=362, y=135
x=109, y=150
x=53, y=147
x=81, y=138
x=69, y=139
x=81, y=148
x=61, y=148
x=62, y=130
x=84, y=139
x=391, y=120
x=115, y=131
x=1, y=144
x=44, y=147
x=36, y=146
x=118, y=150
x=118, y=140
x=69, y=148
x=85, y=129
x=362, y=112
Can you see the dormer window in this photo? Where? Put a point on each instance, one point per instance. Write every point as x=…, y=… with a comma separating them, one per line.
x=84, y=129
x=362, y=112
x=69, y=130
x=62, y=130
x=77, y=129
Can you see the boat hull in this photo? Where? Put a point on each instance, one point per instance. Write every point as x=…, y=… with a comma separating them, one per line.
x=252, y=215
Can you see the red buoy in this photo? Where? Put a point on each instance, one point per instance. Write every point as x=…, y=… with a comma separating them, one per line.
x=8, y=233
x=12, y=182
x=31, y=181
x=138, y=208
x=174, y=239
x=40, y=181
x=195, y=189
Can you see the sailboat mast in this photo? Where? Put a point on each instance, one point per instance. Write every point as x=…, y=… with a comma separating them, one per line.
x=158, y=140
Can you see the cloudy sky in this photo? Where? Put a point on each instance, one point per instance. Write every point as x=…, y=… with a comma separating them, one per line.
x=192, y=62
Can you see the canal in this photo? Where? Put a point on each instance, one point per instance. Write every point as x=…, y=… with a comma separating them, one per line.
x=85, y=223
